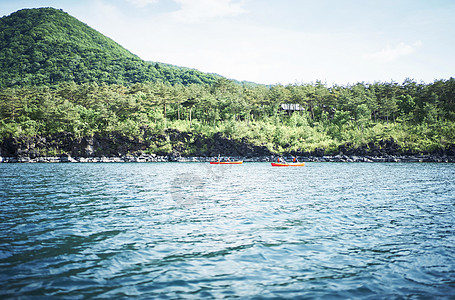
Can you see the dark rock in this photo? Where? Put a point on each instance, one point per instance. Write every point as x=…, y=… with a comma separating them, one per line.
x=319, y=152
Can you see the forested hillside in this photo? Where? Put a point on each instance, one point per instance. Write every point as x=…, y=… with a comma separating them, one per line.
x=416, y=117
x=47, y=46
x=60, y=78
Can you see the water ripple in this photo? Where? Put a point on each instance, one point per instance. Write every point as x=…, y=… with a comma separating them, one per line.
x=170, y=230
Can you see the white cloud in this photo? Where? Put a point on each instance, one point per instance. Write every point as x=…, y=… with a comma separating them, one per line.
x=390, y=54
x=142, y=3
x=193, y=11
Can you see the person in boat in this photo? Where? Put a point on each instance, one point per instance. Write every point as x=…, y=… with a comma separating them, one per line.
x=228, y=159
x=294, y=160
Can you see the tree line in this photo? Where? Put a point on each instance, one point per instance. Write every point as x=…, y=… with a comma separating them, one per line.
x=418, y=116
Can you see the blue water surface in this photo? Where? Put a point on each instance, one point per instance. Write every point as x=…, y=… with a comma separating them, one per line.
x=194, y=230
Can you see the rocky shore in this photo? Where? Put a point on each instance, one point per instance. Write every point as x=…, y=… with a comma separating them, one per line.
x=156, y=158
x=175, y=146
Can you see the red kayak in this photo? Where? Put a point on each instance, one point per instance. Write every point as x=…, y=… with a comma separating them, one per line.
x=277, y=164
x=226, y=162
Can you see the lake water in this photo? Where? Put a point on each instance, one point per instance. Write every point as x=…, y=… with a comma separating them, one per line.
x=194, y=230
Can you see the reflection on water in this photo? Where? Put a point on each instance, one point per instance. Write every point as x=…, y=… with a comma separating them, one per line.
x=194, y=230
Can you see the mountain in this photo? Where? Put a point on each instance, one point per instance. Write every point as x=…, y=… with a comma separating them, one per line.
x=46, y=46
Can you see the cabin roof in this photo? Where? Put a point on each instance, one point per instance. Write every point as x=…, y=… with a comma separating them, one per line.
x=291, y=106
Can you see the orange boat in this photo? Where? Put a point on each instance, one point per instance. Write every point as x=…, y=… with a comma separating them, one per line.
x=239, y=162
x=280, y=164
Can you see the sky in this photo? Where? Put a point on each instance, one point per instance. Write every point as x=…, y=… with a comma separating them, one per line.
x=279, y=41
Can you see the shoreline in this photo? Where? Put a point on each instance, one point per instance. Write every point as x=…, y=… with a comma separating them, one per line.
x=176, y=146
x=270, y=158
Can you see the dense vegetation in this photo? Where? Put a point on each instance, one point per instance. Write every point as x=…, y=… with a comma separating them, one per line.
x=47, y=46
x=58, y=75
x=418, y=117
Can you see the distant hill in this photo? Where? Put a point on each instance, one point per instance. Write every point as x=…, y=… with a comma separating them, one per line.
x=189, y=70
x=48, y=46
